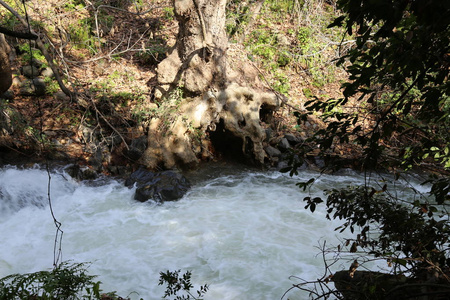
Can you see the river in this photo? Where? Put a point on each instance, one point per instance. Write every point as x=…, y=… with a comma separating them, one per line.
x=241, y=231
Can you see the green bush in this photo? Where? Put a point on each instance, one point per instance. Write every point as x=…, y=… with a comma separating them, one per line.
x=68, y=281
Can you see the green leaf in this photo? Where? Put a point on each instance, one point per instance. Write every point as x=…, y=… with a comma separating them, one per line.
x=400, y=261
x=337, y=22
x=286, y=169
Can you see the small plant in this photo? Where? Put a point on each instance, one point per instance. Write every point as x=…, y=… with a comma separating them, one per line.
x=282, y=83
x=51, y=86
x=303, y=36
x=283, y=59
x=66, y=281
x=176, y=283
x=237, y=17
x=168, y=13
x=153, y=56
x=74, y=5
x=29, y=53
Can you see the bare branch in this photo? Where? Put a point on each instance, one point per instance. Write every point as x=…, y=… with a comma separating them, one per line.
x=18, y=34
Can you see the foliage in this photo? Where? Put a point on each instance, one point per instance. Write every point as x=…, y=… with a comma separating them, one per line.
x=81, y=35
x=154, y=54
x=166, y=109
x=403, y=52
x=169, y=13
x=281, y=83
x=28, y=53
x=407, y=234
x=305, y=47
x=280, y=7
x=398, y=79
x=398, y=70
x=237, y=17
x=66, y=281
x=9, y=20
x=176, y=283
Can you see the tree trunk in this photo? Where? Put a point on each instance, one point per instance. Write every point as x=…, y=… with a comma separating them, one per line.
x=197, y=70
x=198, y=62
x=5, y=68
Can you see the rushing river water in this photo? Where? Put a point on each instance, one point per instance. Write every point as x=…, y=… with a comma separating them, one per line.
x=242, y=232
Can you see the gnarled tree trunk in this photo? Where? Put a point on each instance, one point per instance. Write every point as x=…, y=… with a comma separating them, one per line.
x=198, y=62
x=198, y=68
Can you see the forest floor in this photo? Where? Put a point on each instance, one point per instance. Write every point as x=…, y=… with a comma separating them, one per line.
x=109, y=54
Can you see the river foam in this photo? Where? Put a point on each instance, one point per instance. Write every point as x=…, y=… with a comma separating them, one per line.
x=244, y=233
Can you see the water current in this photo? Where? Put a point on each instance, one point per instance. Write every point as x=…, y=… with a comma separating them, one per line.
x=243, y=232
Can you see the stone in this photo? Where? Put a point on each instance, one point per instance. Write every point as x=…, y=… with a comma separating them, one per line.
x=11, y=120
x=34, y=86
x=272, y=151
x=269, y=134
x=113, y=140
x=282, y=40
x=137, y=148
x=284, y=145
x=30, y=71
x=158, y=186
x=61, y=96
x=81, y=173
x=292, y=139
x=36, y=62
x=47, y=72
x=88, y=134
x=319, y=162
x=16, y=81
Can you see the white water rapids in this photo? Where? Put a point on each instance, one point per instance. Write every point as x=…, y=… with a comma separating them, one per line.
x=243, y=234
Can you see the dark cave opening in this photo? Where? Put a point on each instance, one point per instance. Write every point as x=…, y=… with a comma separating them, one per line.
x=266, y=114
x=229, y=147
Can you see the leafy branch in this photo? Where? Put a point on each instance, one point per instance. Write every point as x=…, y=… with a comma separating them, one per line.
x=176, y=283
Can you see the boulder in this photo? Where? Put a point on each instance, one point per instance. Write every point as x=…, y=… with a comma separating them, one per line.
x=30, y=71
x=292, y=139
x=269, y=134
x=137, y=148
x=48, y=72
x=61, y=96
x=272, y=151
x=158, y=186
x=34, y=86
x=284, y=145
x=80, y=173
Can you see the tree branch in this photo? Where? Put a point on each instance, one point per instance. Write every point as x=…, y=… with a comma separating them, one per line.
x=41, y=47
x=17, y=34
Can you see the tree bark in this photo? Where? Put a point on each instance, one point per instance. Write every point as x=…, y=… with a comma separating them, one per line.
x=5, y=67
x=198, y=67
x=198, y=61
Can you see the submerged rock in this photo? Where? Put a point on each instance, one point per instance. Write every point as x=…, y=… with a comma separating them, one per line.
x=81, y=173
x=158, y=186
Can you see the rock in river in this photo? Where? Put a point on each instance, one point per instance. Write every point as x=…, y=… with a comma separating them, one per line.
x=158, y=186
